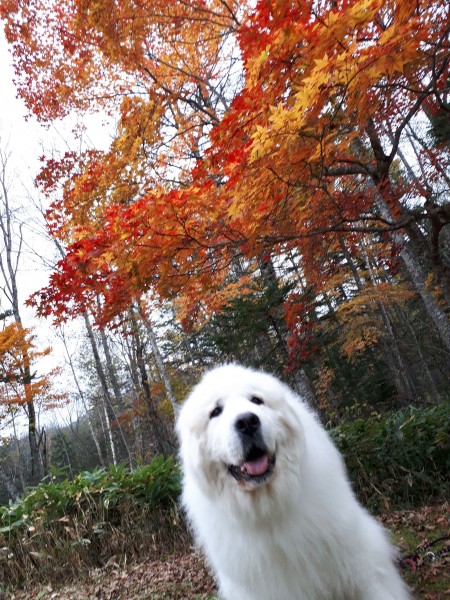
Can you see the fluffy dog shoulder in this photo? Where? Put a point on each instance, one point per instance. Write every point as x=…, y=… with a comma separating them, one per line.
x=268, y=498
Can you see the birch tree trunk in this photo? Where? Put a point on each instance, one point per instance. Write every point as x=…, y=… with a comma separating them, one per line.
x=108, y=409
x=12, y=237
x=116, y=435
x=83, y=402
x=419, y=275
x=116, y=390
x=408, y=254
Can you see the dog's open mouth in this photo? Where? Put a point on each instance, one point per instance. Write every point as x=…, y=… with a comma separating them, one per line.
x=257, y=467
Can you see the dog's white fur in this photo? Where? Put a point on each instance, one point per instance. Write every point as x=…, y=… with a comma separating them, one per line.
x=298, y=535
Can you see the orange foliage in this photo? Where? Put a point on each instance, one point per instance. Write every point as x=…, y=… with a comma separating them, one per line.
x=361, y=318
x=216, y=159
x=19, y=385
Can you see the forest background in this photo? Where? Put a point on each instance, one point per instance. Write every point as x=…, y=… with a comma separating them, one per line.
x=275, y=192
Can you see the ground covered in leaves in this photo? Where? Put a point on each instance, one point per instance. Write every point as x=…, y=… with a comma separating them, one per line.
x=177, y=577
x=422, y=535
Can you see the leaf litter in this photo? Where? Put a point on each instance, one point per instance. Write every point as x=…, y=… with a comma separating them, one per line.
x=422, y=536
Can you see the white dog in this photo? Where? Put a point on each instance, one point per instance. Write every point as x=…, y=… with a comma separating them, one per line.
x=268, y=498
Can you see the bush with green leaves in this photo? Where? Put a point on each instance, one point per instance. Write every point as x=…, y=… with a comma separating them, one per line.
x=61, y=527
x=398, y=460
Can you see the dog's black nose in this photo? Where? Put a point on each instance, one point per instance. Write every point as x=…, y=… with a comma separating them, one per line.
x=247, y=423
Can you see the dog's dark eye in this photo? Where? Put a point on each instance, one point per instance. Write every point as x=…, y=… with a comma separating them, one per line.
x=215, y=412
x=256, y=400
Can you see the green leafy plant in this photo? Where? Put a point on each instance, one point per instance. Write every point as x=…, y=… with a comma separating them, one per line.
x=61, y=526
x=399, y=460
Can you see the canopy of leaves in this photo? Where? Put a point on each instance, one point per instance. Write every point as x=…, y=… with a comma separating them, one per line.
x=243, y=131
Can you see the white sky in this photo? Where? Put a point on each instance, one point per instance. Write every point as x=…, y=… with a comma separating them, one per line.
x=24, y=136
x=23, y=139
x=27, y=141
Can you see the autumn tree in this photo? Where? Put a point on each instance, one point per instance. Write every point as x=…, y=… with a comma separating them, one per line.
x=21, y=385
x=245, y=134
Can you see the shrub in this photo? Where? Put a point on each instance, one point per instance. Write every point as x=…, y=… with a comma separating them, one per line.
x=399, y=460
x=61, y=527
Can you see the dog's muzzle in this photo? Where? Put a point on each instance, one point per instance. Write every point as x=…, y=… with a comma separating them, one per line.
x=257, y=465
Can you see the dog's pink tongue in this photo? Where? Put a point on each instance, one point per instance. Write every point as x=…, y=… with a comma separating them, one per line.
x=258, y=466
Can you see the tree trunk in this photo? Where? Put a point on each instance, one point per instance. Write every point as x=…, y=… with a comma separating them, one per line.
x=115, y=434
x=430, y=388
x=396, y=364
x=84, y=403
x=116, y=390
x=161, y=437
x=107, y=402
x=302, y=381
x=434, y=309
x=9, y=264
x=410, y=257
x=11, y=488
x=160, y=363
x=419, y=278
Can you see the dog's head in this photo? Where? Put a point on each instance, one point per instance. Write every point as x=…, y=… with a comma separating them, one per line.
x=235, y=427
